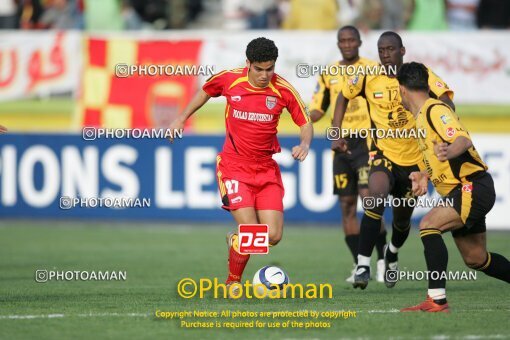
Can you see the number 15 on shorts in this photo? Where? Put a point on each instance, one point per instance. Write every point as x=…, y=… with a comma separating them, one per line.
x=253, y=238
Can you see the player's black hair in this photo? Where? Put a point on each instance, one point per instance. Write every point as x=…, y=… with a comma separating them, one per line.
x=352, y=28
x=414, y=76
x=393, y=35
x=260, y=50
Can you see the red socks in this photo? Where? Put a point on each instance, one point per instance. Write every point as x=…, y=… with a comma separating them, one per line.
x=236, y=262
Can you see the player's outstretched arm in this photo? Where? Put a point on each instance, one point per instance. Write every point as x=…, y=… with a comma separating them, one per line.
x=299, y=152
x=200, y=98
x=419, y=181
x=3, y=129
x=339, y=144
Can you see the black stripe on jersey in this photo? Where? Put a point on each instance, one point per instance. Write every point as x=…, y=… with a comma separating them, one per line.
x=373, y=147
x=432, y=94
x=456, y=163
x=429, y=120
x=363, y=86
x=326, y=98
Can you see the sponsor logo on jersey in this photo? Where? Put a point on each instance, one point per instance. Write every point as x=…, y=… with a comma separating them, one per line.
x=467, y=187
x=253, y=116
x=439, y=84
x=236, y=98
x=450, y=132
x=445, y=119
x=353, y=80
x=400, y=120
x=440, y=179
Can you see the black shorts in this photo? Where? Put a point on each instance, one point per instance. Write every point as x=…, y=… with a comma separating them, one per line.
x=350, y=171
x=473, y=200
x=400, y=184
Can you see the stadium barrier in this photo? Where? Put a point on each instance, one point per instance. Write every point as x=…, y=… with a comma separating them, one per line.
x=179, y=180
x=474, y=64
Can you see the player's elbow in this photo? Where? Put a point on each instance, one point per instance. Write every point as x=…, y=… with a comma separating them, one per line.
x=467, y=143
x=316, y=115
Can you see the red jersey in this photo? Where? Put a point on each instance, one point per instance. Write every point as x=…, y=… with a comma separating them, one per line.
x=252, y=113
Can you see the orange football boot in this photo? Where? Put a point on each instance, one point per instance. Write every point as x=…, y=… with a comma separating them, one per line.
x=428, y=306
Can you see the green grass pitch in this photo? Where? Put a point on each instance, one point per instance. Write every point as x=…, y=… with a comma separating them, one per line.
x=156, y=257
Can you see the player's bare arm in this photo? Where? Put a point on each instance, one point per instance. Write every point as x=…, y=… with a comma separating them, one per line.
x=316, y=115
x=3, y=129
x=200, y=98
x=299, y=152
x=419, y=180
x=446, y=152
x=340, y=144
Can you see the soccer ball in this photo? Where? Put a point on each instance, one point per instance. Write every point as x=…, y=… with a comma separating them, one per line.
x=269, y=278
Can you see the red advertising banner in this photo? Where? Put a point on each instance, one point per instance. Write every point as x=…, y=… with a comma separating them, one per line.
x=137, y=84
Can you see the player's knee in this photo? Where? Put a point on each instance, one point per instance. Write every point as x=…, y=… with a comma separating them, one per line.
x=425, y=223
x=379, y=186
x=403, y=223
x=275, y=238
x=275, y=235
x=475, y=260
x=348, y=204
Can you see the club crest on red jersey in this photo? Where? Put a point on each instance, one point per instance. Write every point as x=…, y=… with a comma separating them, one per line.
x=271, y=102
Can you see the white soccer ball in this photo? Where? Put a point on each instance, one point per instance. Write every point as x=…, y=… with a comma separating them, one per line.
x=269, y=278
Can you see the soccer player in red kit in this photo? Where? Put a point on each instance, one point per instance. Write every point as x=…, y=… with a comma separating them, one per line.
x=249, y=179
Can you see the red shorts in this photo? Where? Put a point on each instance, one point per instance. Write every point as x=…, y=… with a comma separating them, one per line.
x=245, y=182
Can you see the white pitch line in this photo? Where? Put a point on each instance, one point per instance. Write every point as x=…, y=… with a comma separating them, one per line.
x=49, y=316
x=381, y=311
x=452, y=310
x=54, y=316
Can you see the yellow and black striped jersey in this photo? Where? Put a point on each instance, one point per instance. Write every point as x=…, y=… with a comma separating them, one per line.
x=329, y=85
x=441, y=124
x=386, y=112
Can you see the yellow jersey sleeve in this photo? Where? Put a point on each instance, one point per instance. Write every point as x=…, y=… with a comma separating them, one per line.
x=438, y=87
x=322, y=96
x=354, y=86
x=446, y=123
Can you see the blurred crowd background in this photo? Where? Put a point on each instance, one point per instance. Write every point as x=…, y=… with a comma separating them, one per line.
x=93, y=15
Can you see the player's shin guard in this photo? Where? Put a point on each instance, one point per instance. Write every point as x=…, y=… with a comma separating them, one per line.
x=353, y=242
x=399, y=234
x=369, y=231
x=380, y=243
x=236, y=261
x=436, y=257
x=496, y=266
